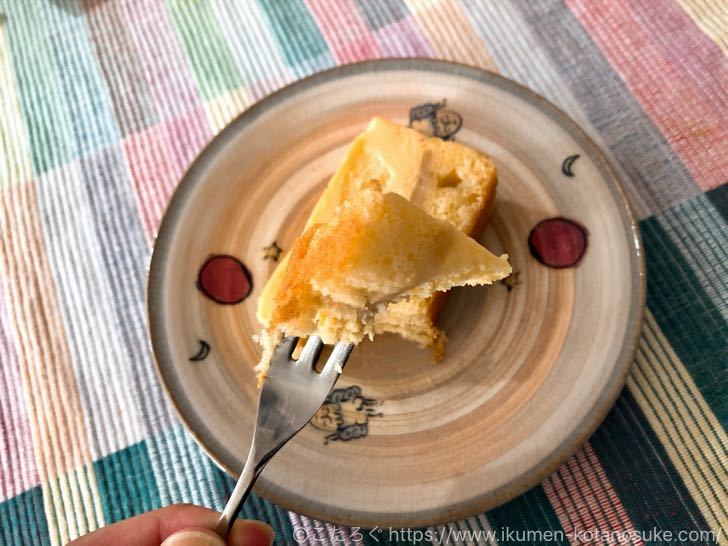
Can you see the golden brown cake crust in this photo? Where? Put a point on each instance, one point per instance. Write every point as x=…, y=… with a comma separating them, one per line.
x=294, y=286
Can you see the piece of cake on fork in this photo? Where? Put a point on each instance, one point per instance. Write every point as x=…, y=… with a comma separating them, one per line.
x=376, y=250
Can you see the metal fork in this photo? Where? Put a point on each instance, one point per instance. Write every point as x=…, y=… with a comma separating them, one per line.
x=289, y=398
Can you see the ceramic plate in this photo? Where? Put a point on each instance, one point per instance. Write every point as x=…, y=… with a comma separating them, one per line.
x=533, y=364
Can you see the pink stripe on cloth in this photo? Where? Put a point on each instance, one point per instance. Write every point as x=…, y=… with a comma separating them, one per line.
x=17, y=460
x=158, y=157
x=127, y=89
x=686, y=46
x=345, y=32
x=163, y=62
x=403, y=39
x=694, y=128
x=49, y=383
x=584, y=499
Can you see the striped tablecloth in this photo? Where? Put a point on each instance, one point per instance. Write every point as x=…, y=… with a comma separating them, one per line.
x=103, y=103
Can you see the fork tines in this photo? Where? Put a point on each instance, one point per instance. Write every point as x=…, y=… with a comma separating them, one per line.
x=310, y=354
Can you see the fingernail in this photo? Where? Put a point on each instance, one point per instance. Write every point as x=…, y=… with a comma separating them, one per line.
x=193, y=537
x=251, y=533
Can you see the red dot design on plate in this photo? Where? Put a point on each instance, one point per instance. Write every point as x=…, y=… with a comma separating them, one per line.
x=224, y=279
x=558, y=242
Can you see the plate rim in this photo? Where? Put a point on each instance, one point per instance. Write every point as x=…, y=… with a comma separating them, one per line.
x=478, y=504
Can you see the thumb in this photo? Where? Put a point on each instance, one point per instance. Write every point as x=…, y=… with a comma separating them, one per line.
x=193, y=537
x=243, y=533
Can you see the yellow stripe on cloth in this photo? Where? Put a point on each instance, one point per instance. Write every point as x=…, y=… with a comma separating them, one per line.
x=15, y=165
x=693, y=437
x=712, y=18
x=79, y=512
x=223, y=109
x=450, y=32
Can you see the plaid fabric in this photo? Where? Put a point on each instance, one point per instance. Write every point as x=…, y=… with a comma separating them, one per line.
x=103, y=103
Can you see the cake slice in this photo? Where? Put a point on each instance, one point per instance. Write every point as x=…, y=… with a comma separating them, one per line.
x=374, y=251
x=447, y=180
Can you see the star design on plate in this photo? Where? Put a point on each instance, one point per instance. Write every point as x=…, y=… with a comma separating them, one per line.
x=514, y=279
x=272, y=252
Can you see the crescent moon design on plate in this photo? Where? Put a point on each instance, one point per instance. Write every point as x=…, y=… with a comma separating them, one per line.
x=202, y=352
x=568, y=163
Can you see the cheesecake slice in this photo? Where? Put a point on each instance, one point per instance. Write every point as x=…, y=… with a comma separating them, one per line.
x=375, y=251
x=447, y=180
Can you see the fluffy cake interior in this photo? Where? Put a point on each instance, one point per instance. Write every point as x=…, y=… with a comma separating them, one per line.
x=376, y=250
x=447, y=180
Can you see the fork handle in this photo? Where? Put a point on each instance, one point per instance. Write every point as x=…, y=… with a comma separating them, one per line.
x=250, y=473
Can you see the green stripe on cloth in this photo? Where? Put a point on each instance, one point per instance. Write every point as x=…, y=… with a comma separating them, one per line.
x=82, y=87
x=41, y=102
x=533, y=512
x=295, y=29
x=23, y=520
x=209, y=54
x=63, y=96
x=641, y=473
x=126, y=483
x=677, y=281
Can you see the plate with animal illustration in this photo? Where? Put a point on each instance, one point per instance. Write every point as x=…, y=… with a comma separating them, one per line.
x=532, y=364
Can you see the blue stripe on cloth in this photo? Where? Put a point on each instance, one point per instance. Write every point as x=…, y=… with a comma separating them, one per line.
x=126, y=483
x=23, y=520
x=183, y=471
x=300, y=40
x=719, y=199
x=700, y=233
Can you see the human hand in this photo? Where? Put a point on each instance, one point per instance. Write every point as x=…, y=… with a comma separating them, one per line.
x=177, y=525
